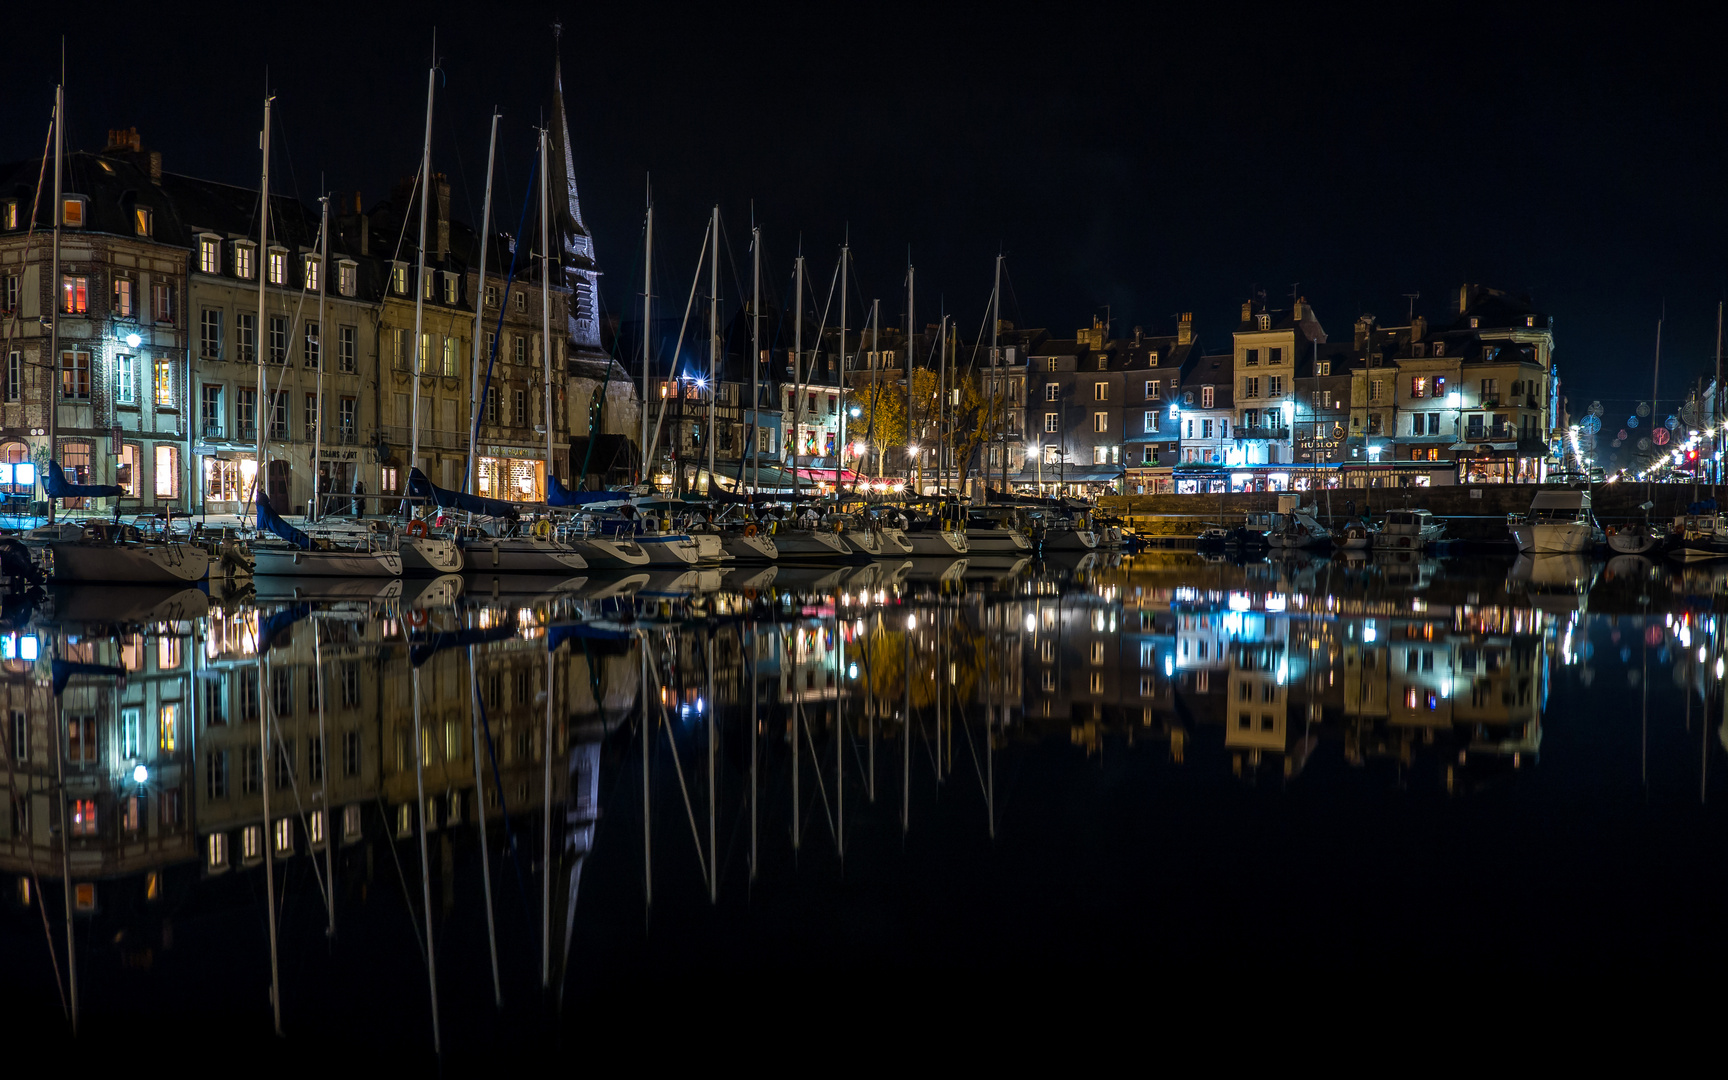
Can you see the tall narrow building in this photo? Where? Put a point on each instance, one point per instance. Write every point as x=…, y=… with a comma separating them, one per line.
x=576, y=244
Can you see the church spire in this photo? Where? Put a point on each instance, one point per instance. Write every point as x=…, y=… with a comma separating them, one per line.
x=576, y=244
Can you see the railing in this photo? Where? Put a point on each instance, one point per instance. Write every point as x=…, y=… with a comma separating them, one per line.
x=402, y=435
x=212, y=430
x=1257, y=432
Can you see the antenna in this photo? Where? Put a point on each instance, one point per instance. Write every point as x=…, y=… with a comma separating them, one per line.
x=1412, y=297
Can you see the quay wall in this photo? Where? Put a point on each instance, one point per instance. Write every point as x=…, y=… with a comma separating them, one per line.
x=1471, y=513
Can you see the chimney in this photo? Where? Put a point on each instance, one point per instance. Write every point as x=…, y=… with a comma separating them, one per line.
x=125, y=143
x=1139, y=333
x=441, y=245
x=1364, y=333
x=1247, y=310
x=1418, y=328
x=1185, y=329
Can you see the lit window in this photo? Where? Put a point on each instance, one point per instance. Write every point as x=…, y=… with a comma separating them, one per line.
x=1101, y=421
x=399, y=279
x=164, y=382
x=252, y=842
x=75, y=295
x=1049, y=422
x=83, y=818
x=127, y=476
x=126, y=380
x=1101, y=391
x=347, y=278
x=278, y=268
x=449, y=288
x=72, y=213
x=75, y=375
x=168, y=725
x=491, y=296
x=142, y=220
x=311, y=269
x=209, y=255
x=216, y=851
x=167, y=471
x=243, y=261
x=285, y=836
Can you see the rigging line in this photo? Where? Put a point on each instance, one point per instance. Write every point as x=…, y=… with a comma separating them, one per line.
x=666, y=400
x=299, y=808
x=677, y=765
x=821, y=788
x=972, y=750
x=1019, y=321
x=419, y=938
x=732, y=261
x=478, y=407
x=16, y=322
x=503, y=807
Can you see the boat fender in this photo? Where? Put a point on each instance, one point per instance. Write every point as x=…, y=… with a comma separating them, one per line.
x=416, y=617
x=416, y=528
x=750, y=530
x=543, y=528
x=839, y=527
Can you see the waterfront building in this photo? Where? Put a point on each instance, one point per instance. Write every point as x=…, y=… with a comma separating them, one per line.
x=1151, y=422
x=121, y=383
x=1266, y=343
x=1205, y=419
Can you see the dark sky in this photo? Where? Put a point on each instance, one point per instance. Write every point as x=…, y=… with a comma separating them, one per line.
x=1157, y=162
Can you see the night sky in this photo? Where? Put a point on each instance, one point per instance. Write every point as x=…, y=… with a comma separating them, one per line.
x=1152, y=162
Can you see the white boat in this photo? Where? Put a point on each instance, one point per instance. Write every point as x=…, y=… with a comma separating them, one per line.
x=1559, y=523
x=938, y=543
x=422, y=555
x=275, y=559
x=811, y=544
x=1639, y=538
x=1357, y=536
x=749, y=544
x=667, y=546
x=103, y=551
x=1409, y=530
x=1298, y=528
x=483, y=554
x=1064, y=535
x=1700, y=537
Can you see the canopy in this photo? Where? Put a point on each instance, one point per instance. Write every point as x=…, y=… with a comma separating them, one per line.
x=269, y=522
x=420, y=487
x=59, y=487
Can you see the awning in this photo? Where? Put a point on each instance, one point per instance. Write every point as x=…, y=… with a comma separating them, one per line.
x=1485, y=446
x=1097, y=476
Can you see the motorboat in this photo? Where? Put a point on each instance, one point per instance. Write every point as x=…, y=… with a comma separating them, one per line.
x=1697, y=537
x=1213, y=538
x=988, y=535
x=1357, y=536
x=1297, y=526
x=111, y=551
x=1065, y=534
x=1639, y=538
x=1409, y=530
x=1558, y=523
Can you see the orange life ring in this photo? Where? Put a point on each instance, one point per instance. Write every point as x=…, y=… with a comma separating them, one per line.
x=416, y=528
x=416, y=617
x=750, y=529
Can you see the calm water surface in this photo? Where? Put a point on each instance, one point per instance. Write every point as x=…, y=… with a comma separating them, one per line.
x=822, y=789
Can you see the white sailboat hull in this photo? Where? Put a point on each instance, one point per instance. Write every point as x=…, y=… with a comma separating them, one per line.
x=430, y=555
x=1554, y=539
x=270, y=560
x=670, y=549
x=520, y=555
x=603, y=553
x=997, y=542
x=138, y=563
x=806, y=544
x=758, y=548
x=939, y=544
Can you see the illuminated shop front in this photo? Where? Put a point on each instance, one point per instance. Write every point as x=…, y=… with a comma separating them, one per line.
x=512, y=478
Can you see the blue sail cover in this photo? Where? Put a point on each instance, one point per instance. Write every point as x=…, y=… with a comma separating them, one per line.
x=269, y=522
x=422, y=488
x=559, y=495
x=426, y=646
x=558, y=635
x=63, y=670
x=277, y=628
x=58, y=487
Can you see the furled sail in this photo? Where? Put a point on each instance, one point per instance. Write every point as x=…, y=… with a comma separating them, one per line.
x=270, y=522
x=59, y=487
x=420, y=487
x=559, y=495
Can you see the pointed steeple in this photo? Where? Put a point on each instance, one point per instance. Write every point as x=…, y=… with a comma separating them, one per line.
x=574, y=241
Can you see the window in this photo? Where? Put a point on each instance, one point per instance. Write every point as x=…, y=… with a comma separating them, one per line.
x=1322, y=367
x=1418, y=387
x=1275, y=386
x=345, y=418
x=347, y=278
x=520, y=343
x=426, y=287
x=1376, y=391
x=75, y=375
x=162, y=301
x=1050, y=422
x=131, y=461
x=72, y=213
x=1374, y=422
x=216, y=851
x=9, y=292
x=210, y=409
x=521, y=408
x=1433, y=423
x=311, y=414
x=14, y=376
x=130, y=721
x=492, y=405
x=83, y=817
x=126, y=380
x=1251, y=387
x=450, y=346
x=399, y=279
x=163, y=382
x=278, y=339
x=167, y=471
x=216, y=775
x=1439, y=348
x=351, y=678
x=449, y=288
x=1475, y=322
x=246, y=413
x=309, y=352
x=1101, y=391
x=1205, y=429
x=399, y=350
x=9, y=214
x=1206, y=397
x=243, y=261
x=522, y=301
x=210, y=334
x=1190, y=434
x=309, y=267
x=285, y=836
x=1251, y=357
x=246, y=338
x=424, y=356
x=1100, y=421
x=1151, y=421
x=1052, y=392
x=168, y=725
x=279, y=414
x=1250, y=418
x=277, y=267
x=491, y=296
x=81, y=740
x=209, y=255
x=1274, y=356
x=75, y=295
x=1416, y=424
x=1490, y=391
x=1099, y=455
x=345, y=349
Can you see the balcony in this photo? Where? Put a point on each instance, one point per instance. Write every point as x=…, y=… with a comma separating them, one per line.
x=1258, y=431
x=449, y=440
x=212, y=429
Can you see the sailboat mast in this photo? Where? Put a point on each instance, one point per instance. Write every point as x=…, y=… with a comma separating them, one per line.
x=755, y=355
x=546, y=298
x=54, y=363
x=261, y=405
x=942, y=414
x=713, y=339
x=840, y=455
x=474, y=402
x=797, y=369
x=318, y=414
x=911, y=322
x=647, y=334
x=420, y=275
x=1000, y=378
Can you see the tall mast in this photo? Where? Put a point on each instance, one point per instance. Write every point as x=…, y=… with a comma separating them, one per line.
x=911, y=272
x=474, y=391
x=797, y=369
x=840, y=457
x=647, y=333
x=55, y=287
x=546, y=301
x=1715, y=400
x=420, y=274
x=713, y=340
x=942, y=413
x=261, y=406
x=999, y=376
x=755, y=355
x=875, y=376
x=318, y=414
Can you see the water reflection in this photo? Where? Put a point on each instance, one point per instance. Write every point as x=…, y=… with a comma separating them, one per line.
x=438, y=764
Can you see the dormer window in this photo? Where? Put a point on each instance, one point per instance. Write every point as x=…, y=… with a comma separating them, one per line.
x=278, y=267
x=9, y=214
x=209, y=255
x=1152, y=359
x=491, y=296
x=1439, y=348
x=1103, y=363
x=426, y=285
x=143, y=220
x=1265, y=322
x=1529, y=320
x=522, y=301
x=347, y=277
x=310, y=266
x=72, y=211
x=1419, y=350
x=1474, y=322
x=399, y=279
x=449, y=288
x=243, y=264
